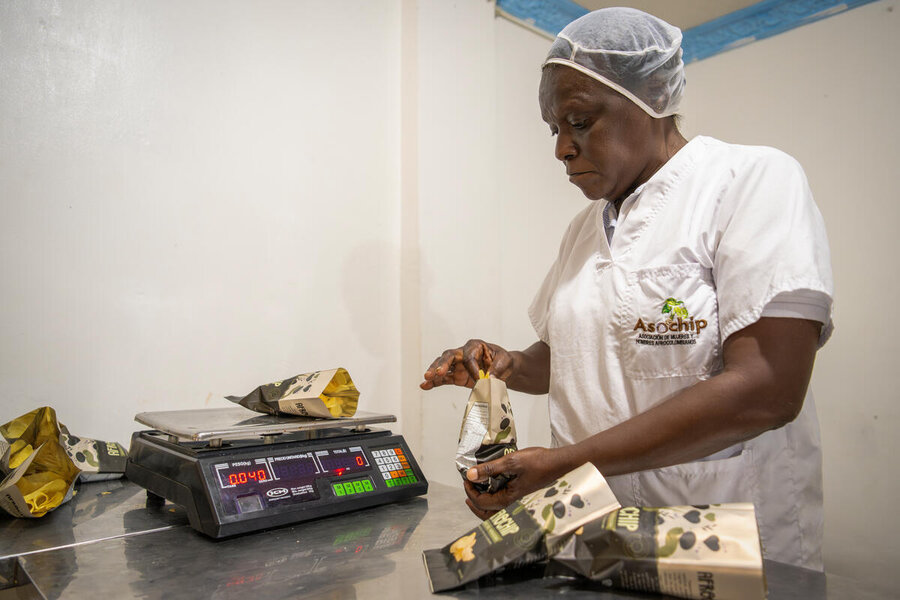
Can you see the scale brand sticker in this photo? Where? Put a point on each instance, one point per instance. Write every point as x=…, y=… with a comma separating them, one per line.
x=277, y=492
x=677, y=328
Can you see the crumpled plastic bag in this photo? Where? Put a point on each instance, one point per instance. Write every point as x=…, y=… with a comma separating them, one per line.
x=39, y=473
x=327, y=394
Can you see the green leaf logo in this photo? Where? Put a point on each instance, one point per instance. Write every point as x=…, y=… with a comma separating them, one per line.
x=674, y=308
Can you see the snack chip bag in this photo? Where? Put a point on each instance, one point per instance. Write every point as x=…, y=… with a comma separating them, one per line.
x=488, y=430
x=327, y=394
x=40, y=461
x=522, y=532
x=695, y=552
x=97, y=460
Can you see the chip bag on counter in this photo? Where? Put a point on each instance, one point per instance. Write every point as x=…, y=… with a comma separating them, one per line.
x=693, y=552
x=329, y=394
x=97, y=460
x=488, y=430
x=40, y=461
x=522, y=532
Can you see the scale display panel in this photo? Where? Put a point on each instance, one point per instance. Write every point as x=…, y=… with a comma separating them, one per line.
x=254, y=484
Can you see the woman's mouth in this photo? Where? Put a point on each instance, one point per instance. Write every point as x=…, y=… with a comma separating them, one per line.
x=574, y=176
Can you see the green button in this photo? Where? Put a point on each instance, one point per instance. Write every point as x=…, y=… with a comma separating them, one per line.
x=390, y=482
x=348, y=488
x=338, y=489
x=412, y=479
x=357, y=487
x=367, y=485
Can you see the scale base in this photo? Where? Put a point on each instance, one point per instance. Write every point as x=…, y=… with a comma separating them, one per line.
x=293, y=479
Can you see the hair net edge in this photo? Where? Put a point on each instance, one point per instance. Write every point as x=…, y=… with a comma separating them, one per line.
x=576, y=47
x=610, y=84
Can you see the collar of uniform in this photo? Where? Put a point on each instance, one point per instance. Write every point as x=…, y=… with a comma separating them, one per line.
x=648, y=197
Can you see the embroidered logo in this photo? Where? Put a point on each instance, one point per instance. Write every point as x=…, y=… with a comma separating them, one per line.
x=678, y=327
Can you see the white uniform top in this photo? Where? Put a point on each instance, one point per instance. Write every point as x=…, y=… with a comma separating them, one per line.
x=707, y=242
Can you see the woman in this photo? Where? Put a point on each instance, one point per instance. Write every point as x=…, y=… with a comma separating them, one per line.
x=679, y=324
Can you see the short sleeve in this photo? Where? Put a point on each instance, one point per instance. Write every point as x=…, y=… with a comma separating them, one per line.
x=772, y=240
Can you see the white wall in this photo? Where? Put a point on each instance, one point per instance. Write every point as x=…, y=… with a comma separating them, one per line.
x=493, y=201
x=457, y=215
x=827, y=94
x=197, y=198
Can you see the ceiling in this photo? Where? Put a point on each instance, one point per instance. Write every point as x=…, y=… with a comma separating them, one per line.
x=681, y=13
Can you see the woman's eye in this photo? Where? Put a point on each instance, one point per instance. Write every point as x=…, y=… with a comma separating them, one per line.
x=578, y=125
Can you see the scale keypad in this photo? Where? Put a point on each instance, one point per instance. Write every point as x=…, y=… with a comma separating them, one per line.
x=394, y=466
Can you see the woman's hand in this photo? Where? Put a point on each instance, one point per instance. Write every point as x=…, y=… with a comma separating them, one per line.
x=460, y=366
x=526, y=371
x=530, y=469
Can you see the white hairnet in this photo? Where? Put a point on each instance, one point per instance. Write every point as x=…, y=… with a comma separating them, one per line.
x=636, y=54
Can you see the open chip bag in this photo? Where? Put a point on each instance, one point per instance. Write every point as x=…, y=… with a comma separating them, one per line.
x=524, y=531
x=40, y=462
x=488, y=430
x=327, y=394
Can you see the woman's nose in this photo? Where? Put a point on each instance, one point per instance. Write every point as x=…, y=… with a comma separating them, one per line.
x=565, y=148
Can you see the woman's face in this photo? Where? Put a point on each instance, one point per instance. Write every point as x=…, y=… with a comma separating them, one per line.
x=607, y=143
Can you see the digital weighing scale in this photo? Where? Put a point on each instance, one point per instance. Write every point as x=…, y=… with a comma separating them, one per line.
x=235, y=471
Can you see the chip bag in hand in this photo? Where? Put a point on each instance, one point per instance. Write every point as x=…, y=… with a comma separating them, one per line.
x=524, y=531
x=38, y=472
x=488, y=430
x=328, y=394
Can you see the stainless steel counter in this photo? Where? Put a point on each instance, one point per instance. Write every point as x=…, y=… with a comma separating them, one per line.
x=108, y=543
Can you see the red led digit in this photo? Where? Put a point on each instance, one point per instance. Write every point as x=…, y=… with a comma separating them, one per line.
x=359, y=460
x=262, y=475
x=232, y=479
x=242, y=478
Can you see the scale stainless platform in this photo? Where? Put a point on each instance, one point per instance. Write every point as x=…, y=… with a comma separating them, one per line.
x=239, y=423
x=236, y=471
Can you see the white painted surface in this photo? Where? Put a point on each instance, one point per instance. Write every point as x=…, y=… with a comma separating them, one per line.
x=459, y=234
x=197, y=198
x=826, y=93
x=494, y=204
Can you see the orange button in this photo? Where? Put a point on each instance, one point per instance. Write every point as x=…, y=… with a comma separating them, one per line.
x=394, y=474
x=398, y=450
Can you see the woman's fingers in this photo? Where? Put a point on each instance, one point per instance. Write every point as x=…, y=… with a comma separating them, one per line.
x=446, y=369
x=501, y=365
x=481, y=514
x=487, y=503
x=476, y=357
x=460, y=366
